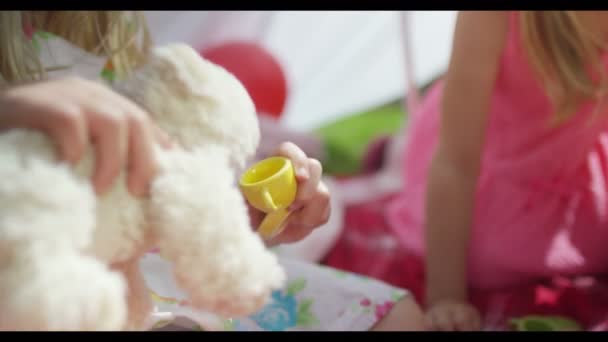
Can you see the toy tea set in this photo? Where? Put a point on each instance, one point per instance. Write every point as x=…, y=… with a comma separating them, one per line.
x=270, y=186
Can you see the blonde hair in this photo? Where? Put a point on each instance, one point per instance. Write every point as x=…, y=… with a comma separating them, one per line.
x=121, y=36
x=566, y=56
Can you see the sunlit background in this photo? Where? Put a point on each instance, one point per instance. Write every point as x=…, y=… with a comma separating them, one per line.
x=337, y=62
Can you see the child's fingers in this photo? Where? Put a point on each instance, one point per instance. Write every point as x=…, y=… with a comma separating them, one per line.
x=316, y=212
x=109, y=135
x=468, y=320
x=138, y=134
x=462, y=322
x=308, y=172
x=161, y=137
x=441, y=320
x=69, y=131
x=289, y=236
x=308, y=189
x=454, y=318
x=445, y=322
x=142, y=164
x=255, y=216
x=298, y=159
x=63, y=123
x=304, y=221
x=429, y=321
x=477, y=321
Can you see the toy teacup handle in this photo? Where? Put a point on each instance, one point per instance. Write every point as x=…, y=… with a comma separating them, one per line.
x=268, y=200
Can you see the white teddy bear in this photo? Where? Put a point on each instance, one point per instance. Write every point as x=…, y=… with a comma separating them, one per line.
x=69, y=259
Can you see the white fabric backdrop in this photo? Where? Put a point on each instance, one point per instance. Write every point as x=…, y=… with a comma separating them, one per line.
x=337, y=62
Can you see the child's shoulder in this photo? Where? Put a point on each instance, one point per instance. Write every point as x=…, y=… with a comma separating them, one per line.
x=61, y=58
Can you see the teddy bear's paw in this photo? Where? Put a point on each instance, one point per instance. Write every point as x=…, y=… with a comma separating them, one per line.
x=242, y=306
x=62, y=293
x=230, y=307
x=238, y=285
x=230, y=303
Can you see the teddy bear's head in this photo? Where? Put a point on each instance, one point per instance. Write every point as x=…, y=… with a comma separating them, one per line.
x=195, y=101
x=207, y=111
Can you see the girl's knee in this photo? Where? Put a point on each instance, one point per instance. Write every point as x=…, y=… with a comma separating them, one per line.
x=405, y=315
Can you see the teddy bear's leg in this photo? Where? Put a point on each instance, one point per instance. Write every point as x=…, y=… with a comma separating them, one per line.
x=47, y=217
x=48, y=290
x=138, y=299
x=203, y=228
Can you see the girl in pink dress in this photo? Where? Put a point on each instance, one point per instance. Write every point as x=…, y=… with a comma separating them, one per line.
x=506, y=166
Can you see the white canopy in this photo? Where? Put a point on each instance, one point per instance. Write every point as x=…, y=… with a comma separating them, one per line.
x=337, y=62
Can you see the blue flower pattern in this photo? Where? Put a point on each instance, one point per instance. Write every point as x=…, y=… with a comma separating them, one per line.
x=280, y=314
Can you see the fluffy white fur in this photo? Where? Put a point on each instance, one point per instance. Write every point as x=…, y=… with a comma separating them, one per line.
x=68, y=259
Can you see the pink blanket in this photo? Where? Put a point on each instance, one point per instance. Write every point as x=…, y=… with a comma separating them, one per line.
x=368, y=247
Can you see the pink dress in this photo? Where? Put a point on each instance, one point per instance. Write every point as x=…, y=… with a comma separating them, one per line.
x=541, y=200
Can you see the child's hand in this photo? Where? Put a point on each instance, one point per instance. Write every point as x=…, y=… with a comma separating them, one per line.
x=74, y=112
x=311, y=208
x=452, y=315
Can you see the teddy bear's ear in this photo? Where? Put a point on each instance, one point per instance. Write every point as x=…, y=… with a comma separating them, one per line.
x=183, y=68
x=195, y=101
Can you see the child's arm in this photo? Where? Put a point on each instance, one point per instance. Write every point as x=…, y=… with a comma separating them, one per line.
x=75, y=112
x=478, y=43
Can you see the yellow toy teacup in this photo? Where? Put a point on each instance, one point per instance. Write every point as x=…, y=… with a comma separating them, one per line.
x=270, y=186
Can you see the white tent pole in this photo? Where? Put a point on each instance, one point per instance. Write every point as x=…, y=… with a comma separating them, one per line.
x=390, y=178
x=413, y=95
x=266, y=23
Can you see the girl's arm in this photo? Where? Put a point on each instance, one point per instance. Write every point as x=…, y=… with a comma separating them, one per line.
x=75, y=112
x=479, y=39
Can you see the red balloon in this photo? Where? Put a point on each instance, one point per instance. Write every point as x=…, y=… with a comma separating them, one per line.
x=260, y=73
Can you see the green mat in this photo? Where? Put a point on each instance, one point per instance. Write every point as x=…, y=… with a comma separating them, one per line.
x=346, y=140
